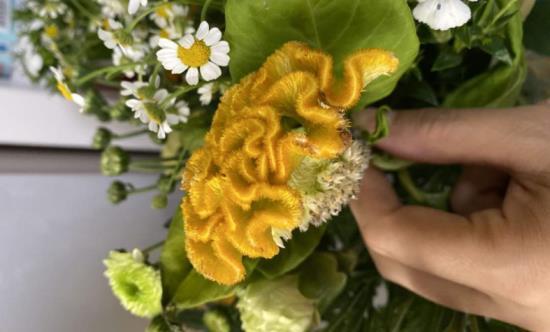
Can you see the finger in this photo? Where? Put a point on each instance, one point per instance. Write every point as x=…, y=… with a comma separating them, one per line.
x=443, y=244
x=435, y=289
x=478, y=188
x=501, y=137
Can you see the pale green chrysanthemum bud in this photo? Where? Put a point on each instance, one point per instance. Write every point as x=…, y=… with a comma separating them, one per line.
x=160, y=201
x=114, y=161
x=276, y=306
x=215, y=321
x=135, y=284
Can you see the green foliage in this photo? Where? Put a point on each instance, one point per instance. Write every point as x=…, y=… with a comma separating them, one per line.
x=297, y=250
x=257, y=28
x=174, y=265
x=501, y=85
x=195, y=290
x=320, y=280
x=537, y=27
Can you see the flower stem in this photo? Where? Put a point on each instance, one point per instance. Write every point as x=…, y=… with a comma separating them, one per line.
x=179, y=92
x=406, y=181
x=142, y=190
x=153, y=247
x=108, y=70
x=205, y=9
x=83, y=9
x=131, y=134
x=143, y=15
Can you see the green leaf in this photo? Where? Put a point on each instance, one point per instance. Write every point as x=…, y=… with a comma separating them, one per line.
x=196, y=290
x=501, y=85
x=447, y=59
x=174, y=265
x=320, y=279
x=497, y=48
x=296, y=251
x=255, y=29
x=537, y=27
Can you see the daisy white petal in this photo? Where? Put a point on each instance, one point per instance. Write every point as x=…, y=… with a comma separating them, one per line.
x=203, y=30
x=213, y=36
x=167, y=43
x=187, y=41
x=192, y=76
x=221, y=47
x=210, y=71
x=220, y=59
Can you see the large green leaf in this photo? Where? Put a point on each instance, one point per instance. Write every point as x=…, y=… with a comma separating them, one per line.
x=196, y=290
x=501, y=85
x=296, y=251
x=256, y=28
x=174, y=264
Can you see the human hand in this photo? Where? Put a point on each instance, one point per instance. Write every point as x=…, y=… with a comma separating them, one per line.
x=491, y=256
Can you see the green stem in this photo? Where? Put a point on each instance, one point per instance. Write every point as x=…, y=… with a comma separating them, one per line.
x=142, y=190
x=108, y=70
x=143, y=15
x=179, y=92
x=205, y=9
x=402, y=314
x=498, y=16
x=131, y=134
x=406, y=181
x=84, y=10
x=144, y=169
x=153, y=247
x=474, y=325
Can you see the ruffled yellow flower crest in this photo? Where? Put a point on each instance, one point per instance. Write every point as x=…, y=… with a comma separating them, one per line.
x=237, y=184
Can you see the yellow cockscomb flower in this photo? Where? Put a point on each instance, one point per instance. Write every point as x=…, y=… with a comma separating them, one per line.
x=239, y=198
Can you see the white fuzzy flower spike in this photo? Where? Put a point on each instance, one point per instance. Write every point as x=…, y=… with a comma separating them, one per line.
x=133, y=5
x=66, y=91
x=442, y=14
x=203, y=52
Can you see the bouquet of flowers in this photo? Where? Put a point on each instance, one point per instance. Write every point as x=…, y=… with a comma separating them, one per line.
x=251, y=104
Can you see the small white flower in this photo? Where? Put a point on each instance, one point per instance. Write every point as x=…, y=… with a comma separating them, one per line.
x=108, y=36
x=169, y=32
x=442, y=14
x=204, y=51
x=32, y=61
x=112, y=8
x=50, y=9
x=206, y=93
x=133, y=6
x=381, y=296
x=155, y=110
x=132, y=88
x=164, y=15
x=181, y=115
x=65, y=90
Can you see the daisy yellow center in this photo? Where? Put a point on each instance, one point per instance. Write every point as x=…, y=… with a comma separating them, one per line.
x=64, y=89
x=164, y=11
x=164, y=34
x=195, y=56
x=52, y=31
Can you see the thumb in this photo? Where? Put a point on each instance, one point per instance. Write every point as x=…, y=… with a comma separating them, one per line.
x=499, y=137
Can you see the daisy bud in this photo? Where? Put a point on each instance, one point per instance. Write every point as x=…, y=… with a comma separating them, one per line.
x=117, y=192
x=135, y=284
x=102, y=138
x=160, y=201
x=114, y=161
x=216, y=321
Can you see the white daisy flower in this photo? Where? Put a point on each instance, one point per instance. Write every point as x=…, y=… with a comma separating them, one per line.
x=32, y=61
x=133, y=5
x=49, y=9
x=442, y=14
x=181, y=114
x=154, y=110
x=108, y=35
x=206, y=92
x=112, y=8
x=132, y=88
x=169, y=32
x=164, y=15
x=66, y=91
x=204, y=51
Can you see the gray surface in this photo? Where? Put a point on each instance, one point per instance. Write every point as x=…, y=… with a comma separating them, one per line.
x=54, y=232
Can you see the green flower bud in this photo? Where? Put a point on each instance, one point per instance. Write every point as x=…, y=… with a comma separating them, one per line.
x=276, y=306
x=160, y=201
x=117, y=192
x=158, y=324
x=102, y=138
x=216, y=321
x=114, y=161
x=135, y=284
x=165, y=184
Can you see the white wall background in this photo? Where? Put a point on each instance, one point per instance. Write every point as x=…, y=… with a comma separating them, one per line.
x=54, y=232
